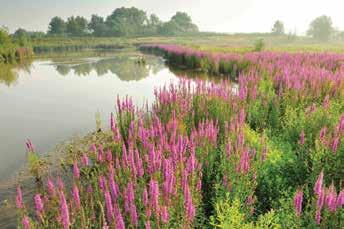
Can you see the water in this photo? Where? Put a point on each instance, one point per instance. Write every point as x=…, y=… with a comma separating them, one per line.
x=52, y=100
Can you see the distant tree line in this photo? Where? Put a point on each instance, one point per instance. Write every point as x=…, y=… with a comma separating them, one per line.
x=132, y=22
x=127, y=22
x=320, y=28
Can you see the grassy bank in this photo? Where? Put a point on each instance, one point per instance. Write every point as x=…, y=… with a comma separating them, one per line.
x=239, y=43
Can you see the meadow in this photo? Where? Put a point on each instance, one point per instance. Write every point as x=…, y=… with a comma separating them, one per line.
x=262, y=150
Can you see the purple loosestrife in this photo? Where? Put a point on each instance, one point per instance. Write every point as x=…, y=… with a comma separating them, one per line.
x=244, y=165
x=76, y=171
x=50, y=187
x=60, y=183
x=109, y=207
x=321, y=199
x=19, y=198
x=102, y=183
x=340, y=199
x=319, y=183
x=164, y=215
x=154, y=195
x=298, y=202
x=100, y=156
x=39, y=205
x=108, y=156
x=26, y=222
x=129, y=197
x=318, y=216
x=76, y=196
x=29, y=146
x=114, y=189
x=148, y=224
x=85, y=160
x=139, y=164
x=118, y=218
x=335, y=144
x=64, y=212
x=133, y=214
x=302, y=138
x=228, y=149
x=145, y=197
x=188, y=205
x=331, y=198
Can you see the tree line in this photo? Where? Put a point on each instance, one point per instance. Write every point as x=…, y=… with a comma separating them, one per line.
x=126, y=22
x=321, y=28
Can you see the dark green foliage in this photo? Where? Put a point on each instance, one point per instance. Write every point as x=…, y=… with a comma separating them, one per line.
x=126, y=22
x=76, y=26
x=97, y=26
x=57, y=26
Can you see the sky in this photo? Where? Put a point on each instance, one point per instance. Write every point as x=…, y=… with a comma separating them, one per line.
x=227, y=16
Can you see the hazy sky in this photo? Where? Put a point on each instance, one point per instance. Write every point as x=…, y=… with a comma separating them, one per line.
x=210, y=15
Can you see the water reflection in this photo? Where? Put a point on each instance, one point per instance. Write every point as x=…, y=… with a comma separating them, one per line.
x=127, y=68
x=9, y=72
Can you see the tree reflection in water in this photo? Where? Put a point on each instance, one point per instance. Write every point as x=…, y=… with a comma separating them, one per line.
x=9, y=72
x=126, y=67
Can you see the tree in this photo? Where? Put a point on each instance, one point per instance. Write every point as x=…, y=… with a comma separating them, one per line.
x=126, y=21
x=153, y=25
x=22, y=37
x=97, y=26
x=278, y=28
x=57, y=26
x=180, y=23
x=4, y=37
x=76, y=26
x=321, y=28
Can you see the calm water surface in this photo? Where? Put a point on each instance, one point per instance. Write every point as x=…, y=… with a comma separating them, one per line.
x=52, y=100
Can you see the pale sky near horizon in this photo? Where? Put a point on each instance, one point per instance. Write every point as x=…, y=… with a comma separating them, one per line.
x=210, y=15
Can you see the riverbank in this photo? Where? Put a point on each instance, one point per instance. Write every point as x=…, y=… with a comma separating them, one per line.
x=203, y=156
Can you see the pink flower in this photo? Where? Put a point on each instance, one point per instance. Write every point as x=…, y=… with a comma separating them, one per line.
x=118, y=218
x=340, y=199
x=113, y=187
x=60, y=183
x=38, y=203
x=30, y=147
x=76, y=171
x=298, y=202
x=50, y=187
x=335, y=144
x=302, y=138
x=188, y=205
x=76, y=196
x=109, y=155
x=331, y=198
x=148, y=225
x=64, y=211
x=85, y=160
x=154, y=194
x=26, y=222
x=19, y=198
x=109, y=208
x=164, y=215
x=318, y=184
x=318, y=216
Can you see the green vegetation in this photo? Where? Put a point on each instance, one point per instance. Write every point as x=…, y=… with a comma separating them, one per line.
x=12, y=49
x=123, y=22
